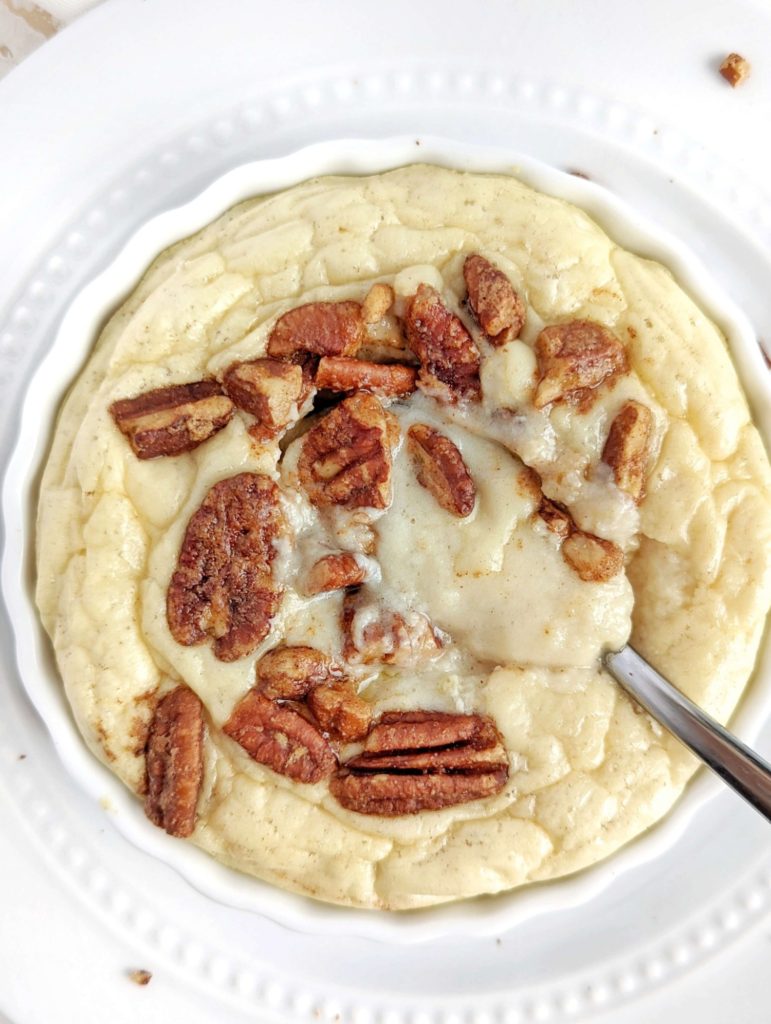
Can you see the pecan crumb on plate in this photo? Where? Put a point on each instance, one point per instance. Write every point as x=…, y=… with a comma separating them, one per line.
x=735, y=69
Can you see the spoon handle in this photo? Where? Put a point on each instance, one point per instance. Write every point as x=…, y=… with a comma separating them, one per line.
x=735, y=763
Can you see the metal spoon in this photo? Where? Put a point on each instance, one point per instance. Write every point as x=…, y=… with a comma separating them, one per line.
x=727, y=756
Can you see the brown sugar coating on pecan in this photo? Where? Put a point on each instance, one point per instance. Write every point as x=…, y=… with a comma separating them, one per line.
x=223, y=586
x=269, y=389
x=281, y=738
x=594, y=559
x=334, y=572
x=173, y=420
x=441, y=469
x=384, y=635
x=391, y=795
x=420, y=730
x=346, y=457
x=321, y=328
x=423, y=760
x=628, y=446
x=339, y=710
x=449, y=359
x=290, y=672
x=174, y=762
x=340, y=373
x=575, y=358
x=493, y=300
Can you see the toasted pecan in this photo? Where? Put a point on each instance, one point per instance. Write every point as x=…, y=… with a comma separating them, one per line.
x=269, y=389
x=339, y=373
x=574, y=358
x=627, y=448
x=223, y=586
x=290, y=672
x=339, y=710
x=449, y=359
x=334, y=572
x=321, y=328
x=174, y=762
x=493, y=300
x=281, y=738
x=735, y=69
x=172, y=420
x=346, y=457
x=556, y=517
x=441, y=469
x=423, y=760
x=384, y=635
x=377, y=303
x=594, y=559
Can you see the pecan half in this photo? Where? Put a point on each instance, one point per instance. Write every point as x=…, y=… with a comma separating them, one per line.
x=340, y=711
x=339, y=373
x=379, y=300
x=321, y=328
x=334, y=572
x=223, y=585
x=628, y=447
x=556, y=517
x=289, y=673
x=575, y=357
x=269, y=389
x=594, y=559
x=281, y=738
x=174, y=762
x=346, y=458
x=735, y=69
x=170, y=421
x=493, y=300
x=423, y=760
x=383, y=635
x=449, y=359
x=441, y=470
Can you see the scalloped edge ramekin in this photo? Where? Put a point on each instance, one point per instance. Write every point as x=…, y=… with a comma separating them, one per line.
x=69, y=350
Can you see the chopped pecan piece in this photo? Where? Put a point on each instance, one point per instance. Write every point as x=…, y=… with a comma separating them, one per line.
x=338, y=373
x=334, y=572
x=223, y=585
x=449, y=359
x=340, y=711
x=174, y=762
x=628, y=447
x=269, y=389
x=289, y=673
x=735, y=69
x=441, y=469
x=281, y=738
x=556, y=517
x=427, y=730
x=375, y=634
x=321, y=328
x=390, y=795
x=423, y=760
x=379, y=300
x=170, y=421
x=346, y=457
x=493, y=300
x=594, y=559
x=575, y=357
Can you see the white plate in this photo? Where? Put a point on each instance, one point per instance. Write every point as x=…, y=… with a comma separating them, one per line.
x=653, y=923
